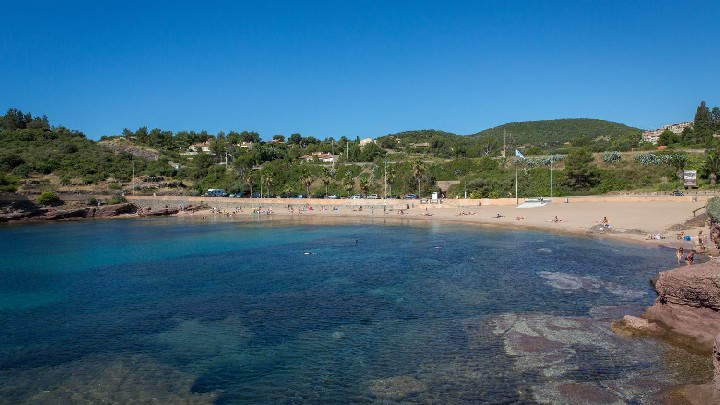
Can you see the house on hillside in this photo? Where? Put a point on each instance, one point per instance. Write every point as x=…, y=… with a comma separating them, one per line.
x=652, y=136
x=194, y=149
x=366, y=141
x=321, y=156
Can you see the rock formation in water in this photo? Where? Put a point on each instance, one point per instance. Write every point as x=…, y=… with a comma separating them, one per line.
x=687, y=311
x=688, y=303
x=34, y=213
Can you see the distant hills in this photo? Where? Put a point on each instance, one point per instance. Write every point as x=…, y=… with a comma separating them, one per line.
x=556, y=132
x=538, y=133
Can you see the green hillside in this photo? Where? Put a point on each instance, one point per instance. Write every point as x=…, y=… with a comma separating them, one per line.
x=550, y=133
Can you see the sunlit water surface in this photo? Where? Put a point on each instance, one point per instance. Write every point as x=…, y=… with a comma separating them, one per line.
x=260, y=312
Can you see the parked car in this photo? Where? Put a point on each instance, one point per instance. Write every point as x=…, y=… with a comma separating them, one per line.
x=393, y=197
x=216, y=192
x=410, y=197
x=678, y=193
x=356, y=197
x=373, y=197
x=333, y=196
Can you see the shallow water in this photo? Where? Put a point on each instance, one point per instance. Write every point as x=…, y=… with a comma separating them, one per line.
x=289, y=312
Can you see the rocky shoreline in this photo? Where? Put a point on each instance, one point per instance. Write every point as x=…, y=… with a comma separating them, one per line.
x=686, y=312
x=30, y=212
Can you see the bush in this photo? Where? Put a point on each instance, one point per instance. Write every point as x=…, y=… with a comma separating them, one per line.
x=114, y=186
x=116, y=199
x=7, y=183
x=92, y=201
x=48, y=198
x=713, y=208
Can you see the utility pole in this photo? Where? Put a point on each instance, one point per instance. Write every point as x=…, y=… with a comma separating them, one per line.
x=133, y=175
x=516, y=184
x=551, y=161
x=385, y=196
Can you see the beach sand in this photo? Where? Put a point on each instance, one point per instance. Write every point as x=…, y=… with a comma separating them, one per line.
x=628, y=220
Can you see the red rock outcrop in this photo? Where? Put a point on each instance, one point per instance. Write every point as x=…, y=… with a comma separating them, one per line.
x=688, y=307
x=688, y=303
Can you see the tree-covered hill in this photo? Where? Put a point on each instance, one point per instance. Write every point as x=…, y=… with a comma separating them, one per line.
x=31, y=147
x=549, y=133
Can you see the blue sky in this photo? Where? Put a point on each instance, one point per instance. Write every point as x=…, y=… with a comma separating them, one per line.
x=355, y=68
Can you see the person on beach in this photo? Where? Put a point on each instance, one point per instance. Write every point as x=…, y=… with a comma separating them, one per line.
x=690, y=258
x=679, y=254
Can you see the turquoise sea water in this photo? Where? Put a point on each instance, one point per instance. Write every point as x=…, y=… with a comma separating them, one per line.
x=260, y=312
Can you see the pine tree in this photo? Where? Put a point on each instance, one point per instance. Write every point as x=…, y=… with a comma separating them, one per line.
x=702, y=126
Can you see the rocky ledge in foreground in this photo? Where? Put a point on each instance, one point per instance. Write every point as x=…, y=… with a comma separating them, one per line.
x=687, y=311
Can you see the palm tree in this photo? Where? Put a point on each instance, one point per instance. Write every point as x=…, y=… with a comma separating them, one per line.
x=712, y=167
x=268, y=181
x=418, y=168
x=391, y=176
x=250, y=180
x=326, y=179
x=307, y=180
x=678, y=162
x=364, y=185
x=348, y=183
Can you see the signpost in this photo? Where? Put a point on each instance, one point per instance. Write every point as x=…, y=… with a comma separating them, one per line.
x=690, y=178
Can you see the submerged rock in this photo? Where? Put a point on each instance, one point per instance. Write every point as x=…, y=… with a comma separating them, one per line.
x=396, y=388
x=632, y=325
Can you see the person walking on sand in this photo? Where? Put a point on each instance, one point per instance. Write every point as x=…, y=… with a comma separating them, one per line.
x=679, y=254
x=690, y=258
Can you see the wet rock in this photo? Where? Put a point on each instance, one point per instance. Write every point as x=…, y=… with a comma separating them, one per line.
x=107, y=211
x=577, y=393
x=396, y=388
x=54, y=215
x=632, y=325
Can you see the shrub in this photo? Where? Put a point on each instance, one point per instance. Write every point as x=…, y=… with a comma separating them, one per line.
x=92, y=201
x=114, y=186
x=7, y=183
x=713, y=208
x=48, y=198
x=116, y=199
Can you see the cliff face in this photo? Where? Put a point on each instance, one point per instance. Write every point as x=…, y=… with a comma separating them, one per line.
x=688, y=303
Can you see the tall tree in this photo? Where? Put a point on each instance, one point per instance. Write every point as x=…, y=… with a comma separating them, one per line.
x=364, y=185
x=580, y=171
x=307, y=180
x=418, y=169
x=702, y=125
x=711, y=167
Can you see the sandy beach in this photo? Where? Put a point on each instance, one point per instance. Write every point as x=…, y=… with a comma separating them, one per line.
x=628, y=220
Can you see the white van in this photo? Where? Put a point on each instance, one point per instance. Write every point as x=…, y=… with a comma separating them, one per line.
x=216, y=192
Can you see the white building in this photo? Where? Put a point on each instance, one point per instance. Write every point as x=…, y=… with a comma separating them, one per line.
x=653, y=135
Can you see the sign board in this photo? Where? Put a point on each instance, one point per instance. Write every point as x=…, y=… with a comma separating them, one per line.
x=434, y=196
x=690, y=178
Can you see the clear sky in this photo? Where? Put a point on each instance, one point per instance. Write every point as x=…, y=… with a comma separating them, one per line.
x=356, y=68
